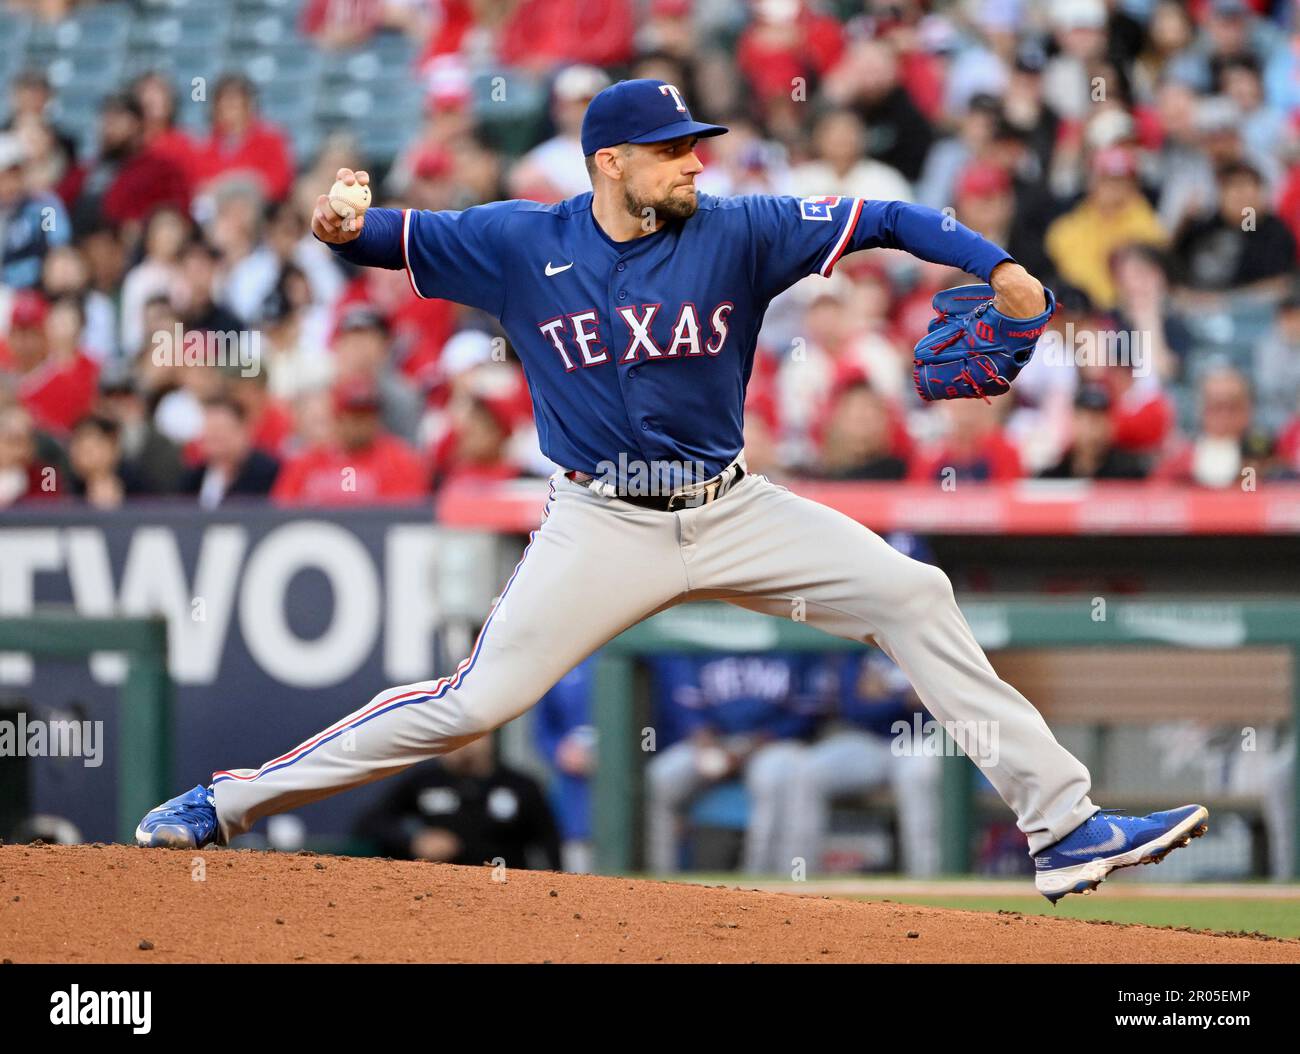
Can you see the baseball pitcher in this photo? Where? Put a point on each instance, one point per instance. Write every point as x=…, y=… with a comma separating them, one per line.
x=635, y=310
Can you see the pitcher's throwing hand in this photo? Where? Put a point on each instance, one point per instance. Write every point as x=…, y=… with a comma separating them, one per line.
x=327, y=224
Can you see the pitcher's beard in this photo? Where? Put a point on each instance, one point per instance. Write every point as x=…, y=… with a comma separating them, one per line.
x=669, y=208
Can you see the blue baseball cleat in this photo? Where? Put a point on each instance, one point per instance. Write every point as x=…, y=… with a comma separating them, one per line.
x=188, y=821
x=1083, y=858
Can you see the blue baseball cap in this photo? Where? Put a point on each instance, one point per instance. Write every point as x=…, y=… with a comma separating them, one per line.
x=639, y=111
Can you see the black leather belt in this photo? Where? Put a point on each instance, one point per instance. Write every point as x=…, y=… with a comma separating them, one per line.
x=688, y=498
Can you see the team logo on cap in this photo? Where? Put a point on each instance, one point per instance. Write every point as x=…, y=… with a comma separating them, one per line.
x=671, y=89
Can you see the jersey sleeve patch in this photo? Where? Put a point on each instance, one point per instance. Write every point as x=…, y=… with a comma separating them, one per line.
x=817, y=208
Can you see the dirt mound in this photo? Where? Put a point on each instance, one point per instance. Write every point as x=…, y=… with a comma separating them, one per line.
x=120, y=904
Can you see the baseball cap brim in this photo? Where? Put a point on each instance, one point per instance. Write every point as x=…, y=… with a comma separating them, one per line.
x=678, y=129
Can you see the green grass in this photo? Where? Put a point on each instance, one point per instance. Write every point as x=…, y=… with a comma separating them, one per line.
x=1279, y=918
x=1276, y=917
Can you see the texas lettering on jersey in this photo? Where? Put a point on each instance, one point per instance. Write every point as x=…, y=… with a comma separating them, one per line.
x=642, y=350
x=577, y=337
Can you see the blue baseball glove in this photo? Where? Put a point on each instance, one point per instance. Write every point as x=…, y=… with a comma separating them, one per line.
x=972, y=350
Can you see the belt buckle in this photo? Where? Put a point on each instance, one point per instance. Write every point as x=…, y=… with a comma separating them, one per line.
x=694, y=499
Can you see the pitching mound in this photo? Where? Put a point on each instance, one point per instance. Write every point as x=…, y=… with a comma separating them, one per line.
x=120, y=904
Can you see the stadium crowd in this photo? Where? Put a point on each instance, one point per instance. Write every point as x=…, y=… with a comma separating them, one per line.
x=1141, y=156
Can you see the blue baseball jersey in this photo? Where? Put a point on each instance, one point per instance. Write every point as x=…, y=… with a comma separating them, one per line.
x=640, y=351
x=564, y=709
x=779, y=694
x=874, y=693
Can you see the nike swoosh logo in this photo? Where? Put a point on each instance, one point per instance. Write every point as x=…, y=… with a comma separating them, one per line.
x=551, y=271
x=1115, y=841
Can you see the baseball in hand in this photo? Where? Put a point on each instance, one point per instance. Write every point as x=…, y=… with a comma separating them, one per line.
x=349, y=199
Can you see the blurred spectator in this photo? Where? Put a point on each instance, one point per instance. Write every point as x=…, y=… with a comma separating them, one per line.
x=195, y=294
x=969, y=148
x=126, y=181
x=1214, y=457
x=1092, y=453
x=158, y=272
x=179, y=393
x=738, y=716
x=362, y=356
x=156, y=97
x=1142, y=412
x=236, y=229
x=842, y=164
x=566, y=738
x=538, y=35
x=985, y=202
x=231, y=465
x=432, y=182
x=1165, y=57
x=270, y=421
x=448, y=123
x=788, y=46
x=256, y=254
x=762, y=431
x=744, y=162
x=859, y=442
x=974, y=448
x=856, y=756
x=1222, y=146
x=30, y=98
x=867, y=81
x=51, y=164
x=148, y=457
x=465, y=808
x=240, y=141
x=1034, y=206
x=1231, y=32
x=32, y=223
x=1262, y=127
x=476, y=448
x=669, y=29
x=1079, y=29
x=1113, y=214
x=1241, y=244
x=1026, y=115
x=95, y=457
x=339, y=24
x=295, y=337
x=556, y=169
x=55, y=379
x=65, y=275
x=23, y=475
x=1145, y=312
x=1277, y=368
x=361, y=464
x=828, y=352
x=1189, y=129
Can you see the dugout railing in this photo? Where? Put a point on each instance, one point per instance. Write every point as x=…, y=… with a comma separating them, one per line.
x=1204, y=624
x=144, y=696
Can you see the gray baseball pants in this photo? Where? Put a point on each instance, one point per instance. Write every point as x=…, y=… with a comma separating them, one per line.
x=598, y=565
